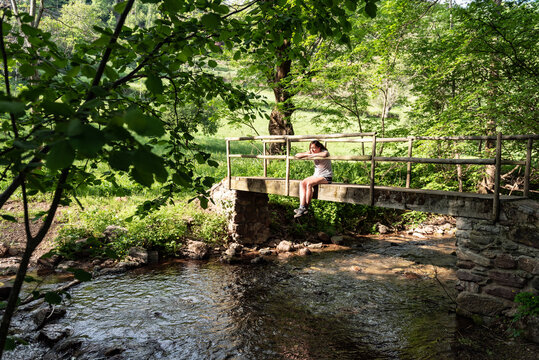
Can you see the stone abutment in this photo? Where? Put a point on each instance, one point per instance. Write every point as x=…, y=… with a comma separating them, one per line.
x=247, y=213
x=496, y=261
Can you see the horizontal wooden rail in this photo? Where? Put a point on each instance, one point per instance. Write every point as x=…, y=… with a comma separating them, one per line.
x=452, y=138
x=370, y=137
x=298, y=137
x=275, y=157
x=386, y=159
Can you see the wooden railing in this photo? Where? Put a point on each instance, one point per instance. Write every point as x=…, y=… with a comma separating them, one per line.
x=373, y=158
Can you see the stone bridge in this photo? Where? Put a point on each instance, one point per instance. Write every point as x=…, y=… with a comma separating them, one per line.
x=495, y=260
x=497, y=236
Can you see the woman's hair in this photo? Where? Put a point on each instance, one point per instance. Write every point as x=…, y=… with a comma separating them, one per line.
x=319, y=145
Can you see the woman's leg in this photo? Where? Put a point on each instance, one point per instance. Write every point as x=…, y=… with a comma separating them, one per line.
x=310, y=182
x=302, y=192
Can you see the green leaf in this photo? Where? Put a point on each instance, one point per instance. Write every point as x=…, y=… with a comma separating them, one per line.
x=212, y=63
x=61, y=156
x=154, y=84
x=48, y=255
x=9, y=218
x=119, y=8
x=211, y=20
x=10, y=343
x=40, y=214
x=143, y=178
x=212, y=163
x=89, y=141
x=74, y=127
x=203, y=202
x=29, y=30
x=149, y=163
x=29, y=279
x=27, y=70
x=3, y=305
x=88, y=71
x=26, y=145
x=6, y=27
x=142, y=124
x=11, y=107
x=80, y=274
x=181, y=178
x=350, y=5
x=120, y=160
x=56, y=108
x=53, y=298
x=200, y=158
x=172, y=6
x=370, y=9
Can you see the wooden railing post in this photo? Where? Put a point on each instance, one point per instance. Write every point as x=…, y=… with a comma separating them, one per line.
x=265, y=160
x=373, y=164
x=409, y=164
x=528, y=168
x=287, y=166
x=228, y=170
x=496, y=200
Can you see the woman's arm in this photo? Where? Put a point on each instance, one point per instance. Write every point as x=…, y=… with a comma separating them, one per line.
x=302, y=155
x=308, y=154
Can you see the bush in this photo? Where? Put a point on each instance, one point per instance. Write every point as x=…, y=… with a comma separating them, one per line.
x=164, y=229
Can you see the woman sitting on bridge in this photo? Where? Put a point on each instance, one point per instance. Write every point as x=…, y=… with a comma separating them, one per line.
x=322, y=175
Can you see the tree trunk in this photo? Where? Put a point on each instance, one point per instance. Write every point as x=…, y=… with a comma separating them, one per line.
x=487, y=183
x=279, y=123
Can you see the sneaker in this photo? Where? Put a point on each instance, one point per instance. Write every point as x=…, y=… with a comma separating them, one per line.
x=301, y=212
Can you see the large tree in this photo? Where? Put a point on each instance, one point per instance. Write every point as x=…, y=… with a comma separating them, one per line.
x=285, y=37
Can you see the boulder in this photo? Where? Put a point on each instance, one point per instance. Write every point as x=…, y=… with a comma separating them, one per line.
x=5, y=289
x=304, y=251
x=337, y=239
x=139, y=254
x=196, y=250
x=52, y=333
x=265, y=252
x=112, y=232
x=323, y=237
x=382, y=229
x=4, y=250
x=49, y=261
x=44, y=314
x=285, y=246
x=234, y=249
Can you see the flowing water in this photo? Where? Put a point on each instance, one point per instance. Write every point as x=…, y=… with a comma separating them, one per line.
x=384, y=303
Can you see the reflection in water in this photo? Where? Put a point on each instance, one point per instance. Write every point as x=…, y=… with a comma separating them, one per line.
x=318, y=307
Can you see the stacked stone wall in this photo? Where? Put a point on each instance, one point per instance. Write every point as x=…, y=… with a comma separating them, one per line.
x=496, y=261
x=247, y=212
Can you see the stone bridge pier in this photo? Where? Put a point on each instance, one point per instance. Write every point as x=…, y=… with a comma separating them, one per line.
x=496, y=261
x=247, y=212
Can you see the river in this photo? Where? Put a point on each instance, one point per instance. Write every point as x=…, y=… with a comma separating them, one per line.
x=383, y=298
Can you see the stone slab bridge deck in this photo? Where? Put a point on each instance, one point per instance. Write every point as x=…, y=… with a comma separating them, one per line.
x=459, y=204
x=497, y=235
